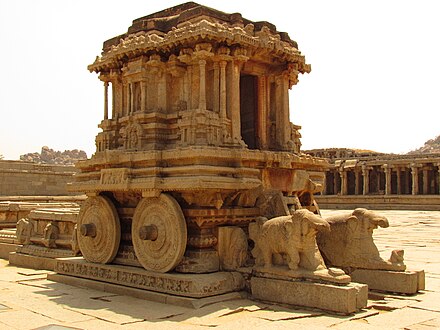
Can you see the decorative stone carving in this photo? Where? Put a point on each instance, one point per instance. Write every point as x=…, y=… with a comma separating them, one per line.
x=232, y=247
x=288, y=239
x=51, y=233
x=350, y=243
x=99, y=230
x=159, y=233
x=24, y=231
x=286, y=246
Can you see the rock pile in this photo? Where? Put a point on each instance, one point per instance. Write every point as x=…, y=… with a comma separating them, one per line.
x=50, y=156
x=431, y=147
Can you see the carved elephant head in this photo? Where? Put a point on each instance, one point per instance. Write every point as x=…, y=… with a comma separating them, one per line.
x=308, y=222
x=369, y=220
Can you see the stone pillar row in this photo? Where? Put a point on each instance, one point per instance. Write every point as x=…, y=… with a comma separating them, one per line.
x=416, y=171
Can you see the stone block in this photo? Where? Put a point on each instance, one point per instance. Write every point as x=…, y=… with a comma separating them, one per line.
x=341, y=299
x=407, y=282
x=28, y=261
x=6, y=249
x=186, y=285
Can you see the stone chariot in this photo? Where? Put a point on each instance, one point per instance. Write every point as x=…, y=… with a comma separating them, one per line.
x=196, y=137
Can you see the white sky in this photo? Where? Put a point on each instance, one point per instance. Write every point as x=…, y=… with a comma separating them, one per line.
x=375, y=80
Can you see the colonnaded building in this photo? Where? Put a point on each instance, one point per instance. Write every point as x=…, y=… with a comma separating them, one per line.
x=368, y=178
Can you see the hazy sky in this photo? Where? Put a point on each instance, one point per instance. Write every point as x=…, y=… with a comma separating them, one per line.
x=375, y=80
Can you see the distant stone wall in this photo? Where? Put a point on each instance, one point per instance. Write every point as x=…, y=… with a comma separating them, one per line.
x=19, y=178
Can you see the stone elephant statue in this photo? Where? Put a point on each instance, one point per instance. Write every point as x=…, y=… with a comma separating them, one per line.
x=350, y=242
x=288, y=240
x=24, y=231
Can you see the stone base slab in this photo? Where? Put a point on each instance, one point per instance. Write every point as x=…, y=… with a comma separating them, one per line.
x=29, y=261
x=186, y=285
x=341, y=299
x=407, y=282
x=6, y=249
x=144, y=294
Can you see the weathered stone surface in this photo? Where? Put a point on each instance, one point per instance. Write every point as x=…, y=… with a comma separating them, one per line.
x=21, y=178
x=187, y=285
x=49, y=233
x=12, y=211
x=341, y=299
x=407, y=282
x=232, y=247
x=286, y=247
x=32, y=261
x=349, y=243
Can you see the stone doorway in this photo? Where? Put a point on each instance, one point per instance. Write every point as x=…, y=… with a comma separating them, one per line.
x=249, y=110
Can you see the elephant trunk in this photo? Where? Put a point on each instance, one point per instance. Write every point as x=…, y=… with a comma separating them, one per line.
x=381, y=222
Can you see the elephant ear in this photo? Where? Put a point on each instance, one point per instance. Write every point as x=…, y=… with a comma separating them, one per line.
x=288, y=228
x=352, y=223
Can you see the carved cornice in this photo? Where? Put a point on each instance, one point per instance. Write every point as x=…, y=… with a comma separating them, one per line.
x=201, y=31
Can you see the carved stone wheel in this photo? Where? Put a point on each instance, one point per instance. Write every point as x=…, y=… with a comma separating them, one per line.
x=159, y=233
x=99, y=230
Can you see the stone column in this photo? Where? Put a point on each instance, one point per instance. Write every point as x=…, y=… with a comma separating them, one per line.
x=127, y=98
x=366, y=177
x=216, y=96
x=335, y=183
x=438, y=178
x=105, y=100
x=387, y=171
x=399, y=181
x=285, y=111
x=202, y=88
x=235, y=101
x=425, y=182
x=223, y=89
x=143, y=96
x=343, y=175
x=190, y=87
x=162, y=91
x=415, y=179
x=357, y=190
x=262, y=112
x=131, y=99
x=113, y=100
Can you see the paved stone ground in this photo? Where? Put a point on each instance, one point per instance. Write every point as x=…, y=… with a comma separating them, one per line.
x=29, y=301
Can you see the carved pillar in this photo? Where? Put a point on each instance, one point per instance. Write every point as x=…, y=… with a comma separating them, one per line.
x=235, y=101
x=387, y=171
x=344, y=187
x=438, y=178
x=335, y=183
x=216, y=96
x=415, y=179
x=105, y=100
x=189, y=73
x=399, y=181
x=282, y=111
x=143, y=96
x=366, y=177
x=357, y=182
x=127, y=98
x=202, y=87
x=425, y=181
x=285, y=111
x=262, y=112
x=113, y=100
x=131, y=94
x=223, y=89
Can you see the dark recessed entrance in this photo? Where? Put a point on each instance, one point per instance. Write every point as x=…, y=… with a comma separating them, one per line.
x=248, y=110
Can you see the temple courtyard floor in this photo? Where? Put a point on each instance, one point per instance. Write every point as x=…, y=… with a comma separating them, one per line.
x=29, y=301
